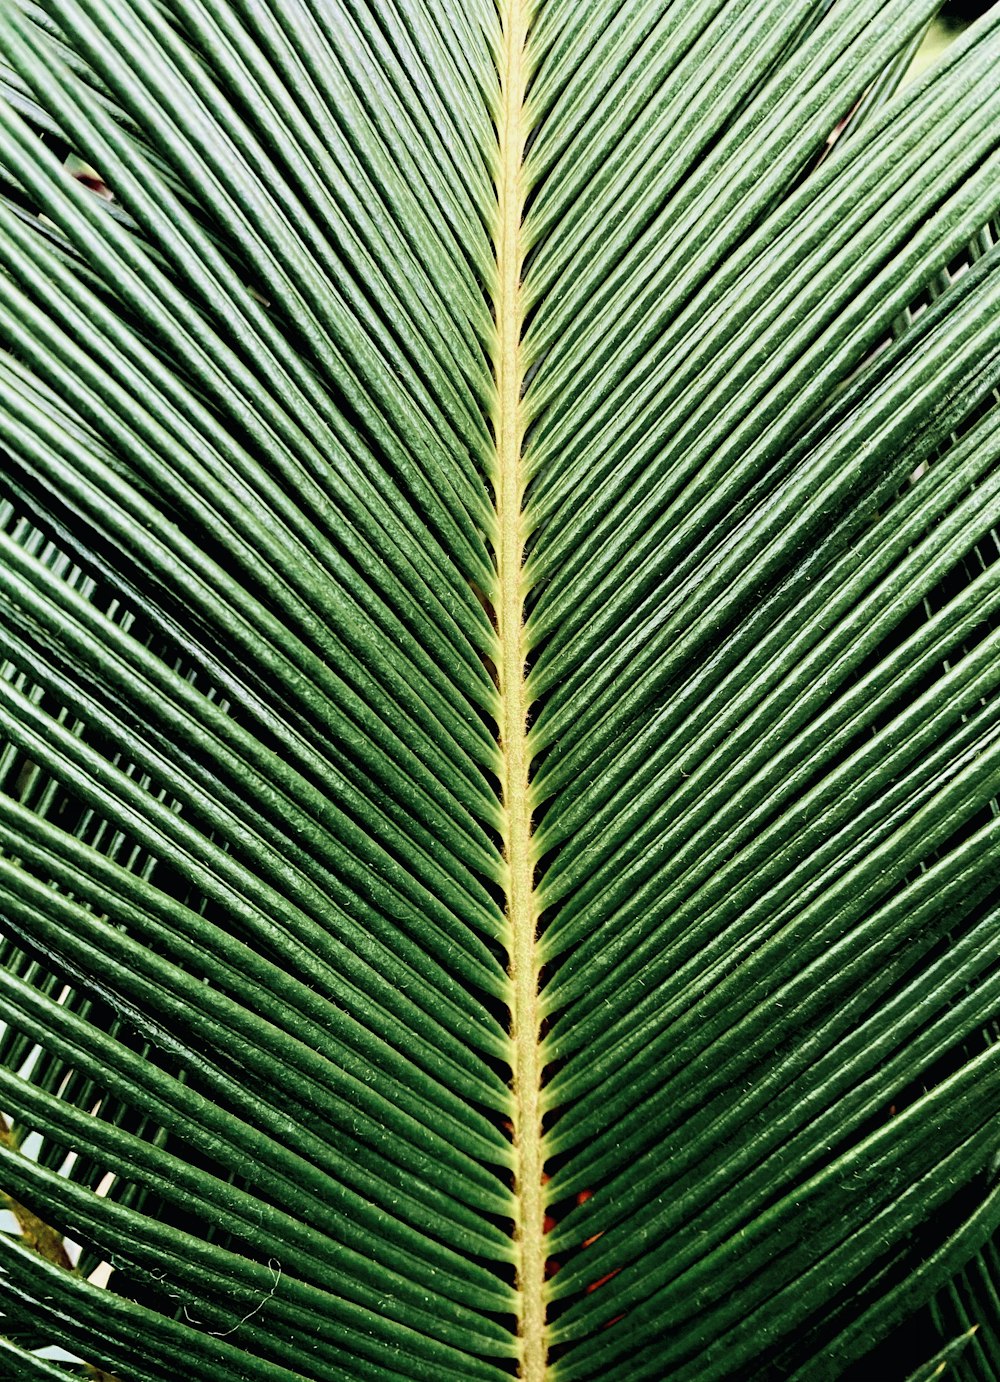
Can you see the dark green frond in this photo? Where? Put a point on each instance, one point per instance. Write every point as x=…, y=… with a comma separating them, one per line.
x=499, y=732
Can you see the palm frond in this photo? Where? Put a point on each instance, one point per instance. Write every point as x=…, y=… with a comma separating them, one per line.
x=500, y=746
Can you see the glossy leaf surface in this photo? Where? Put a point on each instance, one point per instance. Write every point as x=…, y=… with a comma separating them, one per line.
x=499, y=733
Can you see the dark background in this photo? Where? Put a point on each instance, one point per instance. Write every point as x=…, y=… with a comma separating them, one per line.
x=963, y=11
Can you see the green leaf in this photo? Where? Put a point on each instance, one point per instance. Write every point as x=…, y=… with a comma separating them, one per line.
x=499, y=721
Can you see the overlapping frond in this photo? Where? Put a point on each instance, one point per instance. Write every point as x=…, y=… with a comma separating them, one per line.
x=499, y=571
x=765, y=601
x=290, y=715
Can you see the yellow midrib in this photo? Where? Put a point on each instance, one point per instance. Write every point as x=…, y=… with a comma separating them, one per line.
x=522, y=908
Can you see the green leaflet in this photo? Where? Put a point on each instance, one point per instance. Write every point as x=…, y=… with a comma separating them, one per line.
x=499, y=573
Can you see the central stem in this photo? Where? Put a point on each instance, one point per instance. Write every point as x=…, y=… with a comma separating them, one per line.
x=519, y=852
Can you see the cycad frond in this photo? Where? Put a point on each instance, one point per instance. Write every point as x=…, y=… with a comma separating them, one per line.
x=501, y=746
